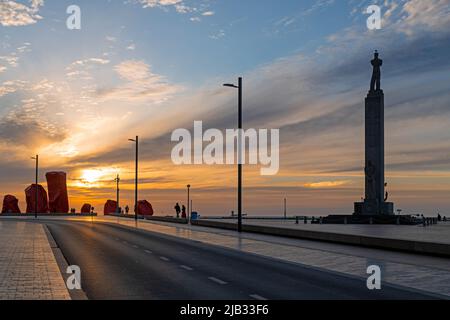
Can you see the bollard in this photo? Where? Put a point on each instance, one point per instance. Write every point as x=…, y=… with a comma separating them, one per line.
x=306, y=220
x=296, y=220
x=398, y=221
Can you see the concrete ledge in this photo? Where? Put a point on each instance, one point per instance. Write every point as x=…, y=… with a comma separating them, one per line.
x=167, y=219
x=151, y=218
x=48, y=215
x=420, y=247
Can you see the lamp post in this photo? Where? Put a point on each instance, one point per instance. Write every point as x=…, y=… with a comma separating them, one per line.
x=36, y=158
x=136, y=178
x=117, y=180
x=239, y=149
x=188, y=202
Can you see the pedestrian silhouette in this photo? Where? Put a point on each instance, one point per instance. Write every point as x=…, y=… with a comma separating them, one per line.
x=177, y=209
x=183, y=214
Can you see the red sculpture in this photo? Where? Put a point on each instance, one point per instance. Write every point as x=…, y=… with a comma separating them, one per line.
x=10, y=204
x=145, y=208
x=110, y=207
x=86, y=208
x=30, y=194
x=57, y=192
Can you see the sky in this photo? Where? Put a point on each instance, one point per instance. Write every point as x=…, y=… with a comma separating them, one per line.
x=149, y=67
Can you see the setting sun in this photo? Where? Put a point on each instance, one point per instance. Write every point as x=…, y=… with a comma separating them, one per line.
x=92, y=177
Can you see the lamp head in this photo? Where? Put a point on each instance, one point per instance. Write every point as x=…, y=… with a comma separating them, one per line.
x=230, y=85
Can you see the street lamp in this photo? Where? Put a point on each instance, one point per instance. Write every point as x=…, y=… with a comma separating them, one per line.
x=37, y=189
x=117, y=180
x=188, y=202
x=136, y=178
x=239, y=151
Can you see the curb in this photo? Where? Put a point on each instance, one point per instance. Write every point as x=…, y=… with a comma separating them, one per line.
x=62, y=265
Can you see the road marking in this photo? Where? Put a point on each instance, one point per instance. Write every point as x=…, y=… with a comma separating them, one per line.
x=257, y=297
x=221, y=282
x=164, y=258
x=186, y=267
x=135, y=246
x=148, y=251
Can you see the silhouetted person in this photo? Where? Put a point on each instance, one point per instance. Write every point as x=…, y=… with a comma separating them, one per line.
x=127, y=209
x=183, y=213
x=439, y=217
x=375, y=83
x=177, y=209
x=445, y=219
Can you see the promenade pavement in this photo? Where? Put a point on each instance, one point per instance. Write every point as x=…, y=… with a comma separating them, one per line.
x=28, y=269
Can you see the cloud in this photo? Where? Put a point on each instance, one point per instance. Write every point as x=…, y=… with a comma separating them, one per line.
x=12, y=59
x=8, y=87
x=425, y=16
x=13, y=13
x=154, y=3
x=208, y=13
x=218, y=35
x=325, y=184
x=140, y=84
x=158, y=3
x=81, y=68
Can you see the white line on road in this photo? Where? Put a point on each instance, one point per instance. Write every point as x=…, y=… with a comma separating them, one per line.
x=186, y=267
x=217, y=280
x=164, y=258
x=148, y=251
x=135, y=246
x=257, y=297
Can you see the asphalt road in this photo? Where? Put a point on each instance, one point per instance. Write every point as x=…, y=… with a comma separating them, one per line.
x=118, y=263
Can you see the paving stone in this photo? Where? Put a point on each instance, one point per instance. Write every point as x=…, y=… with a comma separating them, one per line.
x=28, y=269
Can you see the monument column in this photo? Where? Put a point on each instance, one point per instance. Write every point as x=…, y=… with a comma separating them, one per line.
x=374, y=202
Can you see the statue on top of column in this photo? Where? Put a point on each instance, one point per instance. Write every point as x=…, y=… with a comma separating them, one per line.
x=375, y=83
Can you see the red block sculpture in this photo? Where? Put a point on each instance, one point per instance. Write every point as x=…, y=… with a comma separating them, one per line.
x=58, y=200
x=145, y=208
x=86, y=208
x=10, y=204
x=30, y=194
x=110, y=207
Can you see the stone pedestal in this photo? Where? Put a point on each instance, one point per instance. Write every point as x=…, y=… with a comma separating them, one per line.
x=374, y=203
x=372, y=208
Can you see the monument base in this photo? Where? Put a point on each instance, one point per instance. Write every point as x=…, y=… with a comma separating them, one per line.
x=369, y=207
x=370, y=219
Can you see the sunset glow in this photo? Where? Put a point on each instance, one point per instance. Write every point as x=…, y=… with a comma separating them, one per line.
x=76, y=97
